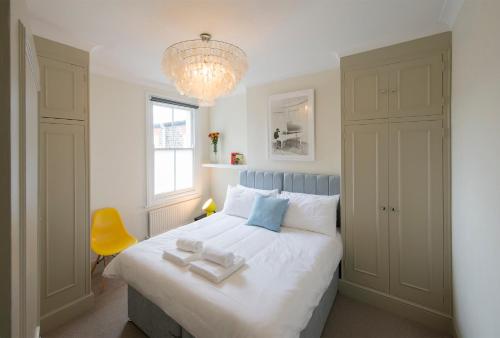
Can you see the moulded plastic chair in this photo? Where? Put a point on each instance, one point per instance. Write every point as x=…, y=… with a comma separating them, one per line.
x=109, y=235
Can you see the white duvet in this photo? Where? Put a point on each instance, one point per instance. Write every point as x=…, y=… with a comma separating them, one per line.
x=273, y=295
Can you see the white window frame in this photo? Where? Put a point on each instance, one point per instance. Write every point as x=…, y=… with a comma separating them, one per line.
x=164, y=199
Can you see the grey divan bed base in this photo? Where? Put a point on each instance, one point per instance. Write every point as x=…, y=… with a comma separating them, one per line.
x=157, y=324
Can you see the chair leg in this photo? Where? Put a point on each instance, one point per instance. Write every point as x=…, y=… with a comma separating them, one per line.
x=95, y=264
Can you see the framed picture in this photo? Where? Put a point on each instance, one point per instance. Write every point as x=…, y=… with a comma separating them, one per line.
x=290, y=126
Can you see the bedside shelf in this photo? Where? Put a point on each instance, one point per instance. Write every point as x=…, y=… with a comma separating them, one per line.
x=225, y=166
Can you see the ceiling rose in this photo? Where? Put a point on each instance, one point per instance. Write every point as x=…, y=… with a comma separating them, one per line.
x=204, y=68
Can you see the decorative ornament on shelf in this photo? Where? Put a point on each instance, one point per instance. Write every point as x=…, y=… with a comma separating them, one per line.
x=214, y=141
x=204, y=68
x=236, y=158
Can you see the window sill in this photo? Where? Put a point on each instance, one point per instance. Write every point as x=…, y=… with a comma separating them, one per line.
x=172, y=200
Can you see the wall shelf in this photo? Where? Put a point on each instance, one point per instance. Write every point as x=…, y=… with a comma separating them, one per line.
x=225, y=166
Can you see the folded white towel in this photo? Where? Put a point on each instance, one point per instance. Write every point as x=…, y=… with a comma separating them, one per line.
x=219, y=256
x=189, y=244
x=215, y=272
x=180, y=257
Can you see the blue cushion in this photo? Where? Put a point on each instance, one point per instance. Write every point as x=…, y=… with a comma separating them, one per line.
x=268, y=212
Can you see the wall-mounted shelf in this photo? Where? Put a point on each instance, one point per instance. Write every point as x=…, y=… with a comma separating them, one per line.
x=225, y=166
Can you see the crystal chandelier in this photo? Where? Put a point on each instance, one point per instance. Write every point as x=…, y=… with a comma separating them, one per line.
x=205, y=69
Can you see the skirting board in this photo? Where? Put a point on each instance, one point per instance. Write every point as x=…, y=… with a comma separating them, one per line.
x=66, y=313
x=427, y=317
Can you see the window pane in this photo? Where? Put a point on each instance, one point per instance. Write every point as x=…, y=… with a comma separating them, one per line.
x=184, y=168
x=162, y=123
x=164, y=171
x=181, y=130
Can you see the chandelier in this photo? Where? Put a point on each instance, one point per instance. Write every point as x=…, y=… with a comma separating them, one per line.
x=205, y=69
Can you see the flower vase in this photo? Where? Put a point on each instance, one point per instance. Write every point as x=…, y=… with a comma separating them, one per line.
x=215, y=152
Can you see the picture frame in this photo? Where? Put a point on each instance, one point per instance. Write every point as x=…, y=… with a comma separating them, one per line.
x=291, y=126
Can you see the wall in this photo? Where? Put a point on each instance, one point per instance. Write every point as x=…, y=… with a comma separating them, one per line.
x=118, y=148
x=475, y=163
x=326, y=86
x=5, y=194
x=229, y=117
x=250, y=111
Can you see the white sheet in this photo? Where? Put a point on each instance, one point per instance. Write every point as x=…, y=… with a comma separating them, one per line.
x=273, y=295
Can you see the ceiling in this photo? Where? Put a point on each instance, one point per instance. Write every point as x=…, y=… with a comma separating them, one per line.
x=282, y=38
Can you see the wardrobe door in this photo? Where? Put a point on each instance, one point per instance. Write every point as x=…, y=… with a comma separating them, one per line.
x=366, y=94
x=63, y=93
x=62, y=211
x=366, y=203
x=416, y=87
x=416, y=212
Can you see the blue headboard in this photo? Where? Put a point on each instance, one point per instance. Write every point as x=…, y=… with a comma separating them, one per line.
x=293, y=182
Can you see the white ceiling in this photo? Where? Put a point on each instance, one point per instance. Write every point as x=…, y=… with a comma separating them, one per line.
x=282, y=38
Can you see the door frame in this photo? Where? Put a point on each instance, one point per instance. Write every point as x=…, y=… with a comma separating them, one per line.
x=28, y=186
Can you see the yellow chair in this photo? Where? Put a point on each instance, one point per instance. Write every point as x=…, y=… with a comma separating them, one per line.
x=109, y=235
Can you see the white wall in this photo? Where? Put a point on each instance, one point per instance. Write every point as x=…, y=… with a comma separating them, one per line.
x=244, y=119
x=228, y=117
x=326, y=87
x=118, y=148
x=475, y=166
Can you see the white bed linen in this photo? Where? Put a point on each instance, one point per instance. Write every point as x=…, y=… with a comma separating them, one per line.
x=273, y=295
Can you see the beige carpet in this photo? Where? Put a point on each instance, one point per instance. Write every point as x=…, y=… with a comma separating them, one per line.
x=348, y=319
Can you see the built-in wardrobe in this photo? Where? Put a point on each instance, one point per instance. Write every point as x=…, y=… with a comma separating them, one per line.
x=63, y=183
x=396, y=178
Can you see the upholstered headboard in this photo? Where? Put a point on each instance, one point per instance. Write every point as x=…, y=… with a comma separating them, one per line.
x=293, y=182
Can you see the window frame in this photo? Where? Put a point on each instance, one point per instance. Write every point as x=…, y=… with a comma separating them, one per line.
x=176, y=196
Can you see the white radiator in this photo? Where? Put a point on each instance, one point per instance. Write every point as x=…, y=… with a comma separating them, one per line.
x=172, y=216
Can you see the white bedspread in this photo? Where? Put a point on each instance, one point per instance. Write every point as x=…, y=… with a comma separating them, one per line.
x=273, y=295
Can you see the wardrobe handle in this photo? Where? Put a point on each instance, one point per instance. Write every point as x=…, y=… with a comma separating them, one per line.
x=394, y=90
x=383, y=91
x=383, y=208
x=393, y=209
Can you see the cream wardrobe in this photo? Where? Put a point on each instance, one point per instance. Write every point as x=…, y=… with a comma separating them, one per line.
x=64, y=194
x=395, y=169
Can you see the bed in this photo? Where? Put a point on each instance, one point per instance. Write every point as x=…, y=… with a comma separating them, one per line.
x=286, y=288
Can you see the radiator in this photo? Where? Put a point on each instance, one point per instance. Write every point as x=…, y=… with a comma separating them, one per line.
x=172, y=216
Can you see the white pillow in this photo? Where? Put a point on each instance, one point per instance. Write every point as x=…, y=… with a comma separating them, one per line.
x=316, y=213
x=274, y=192
x=239, y=199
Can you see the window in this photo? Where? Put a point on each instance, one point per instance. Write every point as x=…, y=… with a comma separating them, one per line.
x=171, y=150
